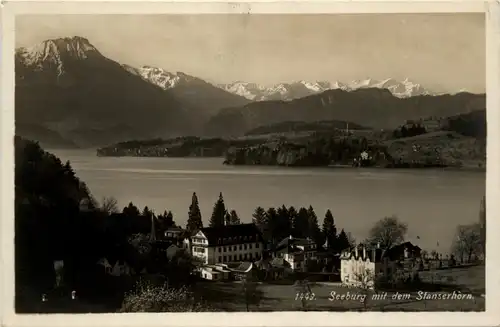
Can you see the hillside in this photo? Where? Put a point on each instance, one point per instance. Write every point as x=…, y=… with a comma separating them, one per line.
x=298, y=126
x=373, y=107
x=68, y=86
x=448, y=148
x=46, y=137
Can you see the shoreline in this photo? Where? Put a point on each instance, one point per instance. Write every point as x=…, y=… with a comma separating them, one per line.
x=331, y=166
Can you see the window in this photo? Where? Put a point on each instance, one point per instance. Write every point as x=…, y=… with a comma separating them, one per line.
x=250, y=246
x=245, y=246
x=250, y=256
x=241, y=257
x=219, y=259
x=218, y=241
x=256, y=255
x=245, y=256
x=224, y=259
x=240, y=247
x=229, y=258
x=220, y=249
x=257, y=245
x=224, y=249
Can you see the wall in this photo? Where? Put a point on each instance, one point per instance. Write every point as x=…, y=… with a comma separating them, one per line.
x=256, y=252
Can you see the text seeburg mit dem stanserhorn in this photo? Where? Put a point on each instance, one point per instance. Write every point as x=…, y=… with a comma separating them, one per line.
x=419, y=296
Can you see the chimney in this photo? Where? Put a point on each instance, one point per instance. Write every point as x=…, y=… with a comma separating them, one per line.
x=356, y=252
x=378, y=245
x=364, y=251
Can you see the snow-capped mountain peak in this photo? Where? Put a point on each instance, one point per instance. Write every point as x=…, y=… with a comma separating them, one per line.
x=289, y=91
x=163, y=78
x=53, y=53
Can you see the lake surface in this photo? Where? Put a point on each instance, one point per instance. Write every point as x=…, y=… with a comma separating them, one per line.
x=432, y=202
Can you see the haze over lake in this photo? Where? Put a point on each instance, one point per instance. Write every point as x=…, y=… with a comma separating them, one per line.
x=432, y=202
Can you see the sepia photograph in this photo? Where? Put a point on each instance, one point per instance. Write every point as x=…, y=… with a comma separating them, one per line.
x=250, y=162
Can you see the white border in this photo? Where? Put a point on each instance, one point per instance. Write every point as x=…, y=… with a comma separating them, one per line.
x=490, y=317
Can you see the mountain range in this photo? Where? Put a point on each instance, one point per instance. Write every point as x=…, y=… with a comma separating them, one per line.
x=67, y=93
x=300, y=89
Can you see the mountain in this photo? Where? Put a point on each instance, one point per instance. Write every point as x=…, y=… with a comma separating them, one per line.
x=45, y=136
x=190, y=89
x=67, y=86
x=300, y=89
x=371, y=107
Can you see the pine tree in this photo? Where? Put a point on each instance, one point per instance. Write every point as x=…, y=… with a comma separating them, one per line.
x=227, y=218
x=292, y=217
x=235, y=220
x=146, y=212
x=273, y=226
x=301, y=223
x=329, y=230
x=194, y=215
x=283, y=221
x=259, y=218
x=219, y=213
x=131, y=210
x=314, y=232
x=169, y=219
x=343, y=241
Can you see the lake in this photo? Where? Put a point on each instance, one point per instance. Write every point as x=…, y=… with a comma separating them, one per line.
x=432, y=202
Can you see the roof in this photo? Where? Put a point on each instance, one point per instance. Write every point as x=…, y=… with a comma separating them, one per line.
x=290, y=244
x=232, y=234
x=174, y=229
x=375, y=254
x=372, y=254
x=295, y=241
x=398, y=250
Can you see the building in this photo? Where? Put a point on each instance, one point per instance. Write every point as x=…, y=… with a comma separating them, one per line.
x=230, y=243
x=363, y=265
x=297, y=252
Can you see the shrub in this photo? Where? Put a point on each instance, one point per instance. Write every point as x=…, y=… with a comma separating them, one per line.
x=147, y=297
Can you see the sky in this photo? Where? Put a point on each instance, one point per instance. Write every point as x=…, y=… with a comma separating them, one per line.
x=443, y=52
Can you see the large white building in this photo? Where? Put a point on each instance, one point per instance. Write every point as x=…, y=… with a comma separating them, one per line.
x=230, y=243
x=362, y=265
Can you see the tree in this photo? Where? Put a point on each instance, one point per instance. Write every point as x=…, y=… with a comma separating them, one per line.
x=388, y=232
x=259, y=218
x=329, y=230
x=147, y=213
x=303, y=292
x=194, y=215
x=251, y=291
x=301, y=223
x=273, y=225
x=343, y=241
x=482, y=225
x=292, y=216
x=169, y=219
x=365, y=281
x=283, y=223
x=109, y=205
x=219, y=213
x=131, y=210
x=147, y=297
x=313, y=231
x=234, y=219
x=467, y=241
